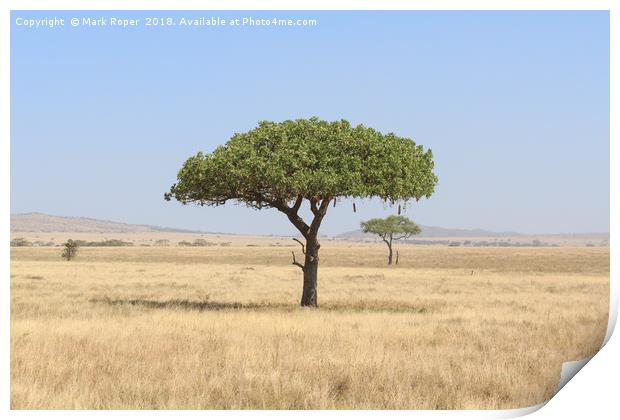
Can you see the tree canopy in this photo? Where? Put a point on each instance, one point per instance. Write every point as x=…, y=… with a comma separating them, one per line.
x=279, y=163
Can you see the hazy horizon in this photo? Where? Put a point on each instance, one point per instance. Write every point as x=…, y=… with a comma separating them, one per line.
x=172, y=227
x=518, y=120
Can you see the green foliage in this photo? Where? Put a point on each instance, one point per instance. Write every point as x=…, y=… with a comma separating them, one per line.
x=70, y=250
x=278, y=163
x=392, y=227
x=20, y=242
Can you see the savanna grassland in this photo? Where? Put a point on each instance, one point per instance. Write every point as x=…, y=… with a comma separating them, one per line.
x=220, y=327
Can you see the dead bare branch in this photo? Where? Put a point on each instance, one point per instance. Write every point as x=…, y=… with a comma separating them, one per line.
x=295, y=261
x=303, y=248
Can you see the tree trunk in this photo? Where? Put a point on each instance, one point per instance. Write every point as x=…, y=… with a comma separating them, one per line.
x=389, y=244
x=311, y=266
x=318, y=207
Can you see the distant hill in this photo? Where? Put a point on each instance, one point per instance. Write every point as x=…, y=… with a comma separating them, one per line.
x=480, y=237
x=39, y=222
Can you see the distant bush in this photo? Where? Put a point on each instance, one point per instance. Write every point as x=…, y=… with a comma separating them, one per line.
x=70, y=250
x=162, y=242
x=20, y=242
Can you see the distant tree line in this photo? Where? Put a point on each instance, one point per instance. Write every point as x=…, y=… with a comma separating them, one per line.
x=23, y=242
x=20, y=242
x=106, y=242
x=202, y=242
x=483, y=243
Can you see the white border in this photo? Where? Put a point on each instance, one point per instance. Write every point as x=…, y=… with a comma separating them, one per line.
x=569, y=403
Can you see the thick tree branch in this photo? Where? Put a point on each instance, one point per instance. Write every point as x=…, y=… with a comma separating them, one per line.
x=324, y=205
x=299, y=223
x=313, y=208
x=293, y=217
x=318, y=209
x=297, y=203
x=319, y=213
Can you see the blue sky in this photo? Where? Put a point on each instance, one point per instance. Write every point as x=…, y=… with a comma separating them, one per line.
x=514, y=105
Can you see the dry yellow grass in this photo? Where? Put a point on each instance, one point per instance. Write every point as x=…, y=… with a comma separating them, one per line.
x=219, y=327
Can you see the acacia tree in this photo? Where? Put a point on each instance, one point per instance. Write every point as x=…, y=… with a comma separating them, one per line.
x=282, y=165
x=392, y=228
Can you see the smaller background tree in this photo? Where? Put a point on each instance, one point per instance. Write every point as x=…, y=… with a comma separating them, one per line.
x=392, y=228
x=70, y=250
